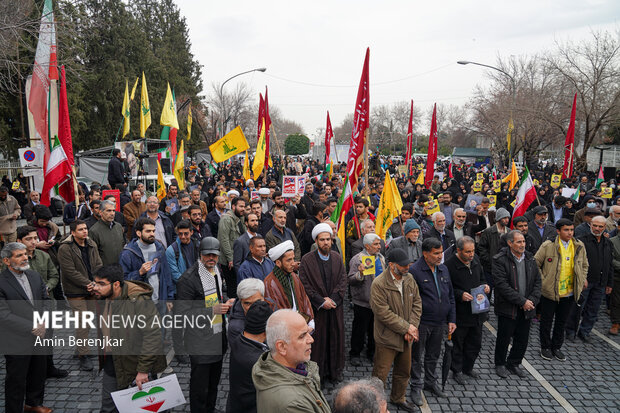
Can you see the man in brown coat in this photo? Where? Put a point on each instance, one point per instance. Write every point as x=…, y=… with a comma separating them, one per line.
x=325, y=281
x=79, y=260
x=397, y=306
x=283, y=287
x=9, y=212
x=132, y=211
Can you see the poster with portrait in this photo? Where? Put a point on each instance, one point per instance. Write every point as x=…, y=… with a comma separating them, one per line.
x=556, y=179
x=477, y=186
x=432, y=206
x=472, y=202
x=492, y=200
x=480, y=303
x=131, y=149
x=480, y=176
x=293, y=186
x=497, y=185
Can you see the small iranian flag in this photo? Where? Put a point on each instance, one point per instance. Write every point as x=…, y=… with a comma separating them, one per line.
x=525, y=196
x=58, y=172
x=600, y=178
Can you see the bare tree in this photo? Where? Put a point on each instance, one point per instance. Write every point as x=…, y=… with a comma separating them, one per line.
x=232, y=109
x=592, y=69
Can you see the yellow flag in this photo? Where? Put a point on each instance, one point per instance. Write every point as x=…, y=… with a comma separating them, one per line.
x=513, y=177
x=161, y=184
x=511, y=128
x=342, y=235
x=189, y=124
x=259, y=156
x=179, y=168
x=387, y=210
x=231, y=144
x=145, y=108
x=397, y=198
x=125, y=110
x=246, y=167
x=168, y=113
x=420, y=179
x=133, y=89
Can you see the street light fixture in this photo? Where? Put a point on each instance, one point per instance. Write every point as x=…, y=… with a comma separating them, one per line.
x=512, y=81
x=224, y=121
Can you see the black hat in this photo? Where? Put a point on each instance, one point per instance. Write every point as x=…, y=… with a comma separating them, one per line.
x=256, y=317
x=540, y=210
x=398, y=256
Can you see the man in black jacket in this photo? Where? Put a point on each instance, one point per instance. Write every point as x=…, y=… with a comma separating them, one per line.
x=517, y=291
x=116, y=169
x=245, y=350
x=200, y=292
x=541, y=230
x=440, y=232
x=213, y=218
x=21, y=292
x=489, y=242
x=599, y=251
x=466, y=273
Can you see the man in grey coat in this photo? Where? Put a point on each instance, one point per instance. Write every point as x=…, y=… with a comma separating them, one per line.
x=363, y=319
x=411, y=242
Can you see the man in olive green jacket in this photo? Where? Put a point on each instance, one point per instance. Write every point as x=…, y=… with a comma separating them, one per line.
x=560, y=289
x=229, y=229
x=397, y=307
x=285, y=378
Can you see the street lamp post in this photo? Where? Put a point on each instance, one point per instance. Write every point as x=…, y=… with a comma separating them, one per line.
x=514, y=89
x=224, y=121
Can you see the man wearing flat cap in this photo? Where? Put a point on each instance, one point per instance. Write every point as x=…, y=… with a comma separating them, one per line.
x=325, y=281
x=396, y=304
x=283, y=286
x=541, y=230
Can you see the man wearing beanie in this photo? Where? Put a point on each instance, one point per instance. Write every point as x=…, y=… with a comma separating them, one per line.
x=489, y=242
x=396, y=304
x=244, y=351
x=411, y=242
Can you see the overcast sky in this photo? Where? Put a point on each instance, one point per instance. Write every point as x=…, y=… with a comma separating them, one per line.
x=314, y=50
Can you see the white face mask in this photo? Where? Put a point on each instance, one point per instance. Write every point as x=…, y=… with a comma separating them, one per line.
x=591, y=204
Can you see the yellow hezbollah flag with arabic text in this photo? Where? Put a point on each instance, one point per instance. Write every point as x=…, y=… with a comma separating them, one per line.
x=231, y=144
x=387, y=210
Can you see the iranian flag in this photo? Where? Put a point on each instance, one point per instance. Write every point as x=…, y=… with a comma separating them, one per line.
x=57, y=172
x=345, y=203
x=525, y=196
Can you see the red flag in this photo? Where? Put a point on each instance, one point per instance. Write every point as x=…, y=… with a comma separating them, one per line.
x=267, y=128
x=450, y=170
x=329, y=134
x=261, y=115
x=569, y=143
x=360, y=127
x=431, y=157
x=410, y=140
x=64, y=125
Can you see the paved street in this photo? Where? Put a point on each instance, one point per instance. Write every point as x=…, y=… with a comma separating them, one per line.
x=587, y=382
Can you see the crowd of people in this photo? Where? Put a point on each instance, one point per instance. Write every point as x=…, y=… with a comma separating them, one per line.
x=273, y=273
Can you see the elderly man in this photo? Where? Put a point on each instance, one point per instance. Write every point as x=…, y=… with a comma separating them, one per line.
x=325, y=281
x=265, y=201
x=21, y=292
x=541, y=230
x=230, y=228
x=410, y=242
x=133, y=210
x=197, y=201
x=466, y=274
x=583, y=229
x=283, y=287
x=440, y=232
x=438, y=314
x=200, y=292
x=9, y=212
x=367, y=227
x=599, y=251
x=365, y=395
x=517, y=291
x=256, y=263
x=460, y=226
x=562, y=283
x=285, y=378
x=245, y=350
x=397, y=307
x=613, y=218
x=280, y=233
x=294, y=210
x=249, y=291
x=108, y=235
x=363, y=318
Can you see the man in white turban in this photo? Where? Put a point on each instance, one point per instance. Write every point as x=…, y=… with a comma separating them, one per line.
x=283, y=288
x=325, y=281
x=265, y=202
